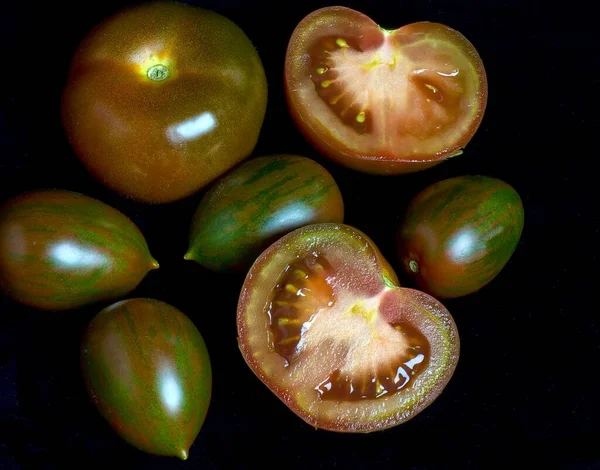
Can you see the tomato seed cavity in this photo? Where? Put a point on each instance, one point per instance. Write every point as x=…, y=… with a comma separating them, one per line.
x=302, y=291
x=349, y=105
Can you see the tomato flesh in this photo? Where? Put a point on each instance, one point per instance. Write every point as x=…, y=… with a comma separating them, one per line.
x=383, y=101
x=332, y=336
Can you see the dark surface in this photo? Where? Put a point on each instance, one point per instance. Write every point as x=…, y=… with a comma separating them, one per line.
x=525, y=390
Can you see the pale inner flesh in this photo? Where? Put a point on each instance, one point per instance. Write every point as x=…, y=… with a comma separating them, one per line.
x=337, y=344
x=415, y=99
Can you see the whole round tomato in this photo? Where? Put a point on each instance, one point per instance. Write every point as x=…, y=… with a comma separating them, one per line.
x=162, y=99
x=383, y=101
x=458, y=234
x=324, y=325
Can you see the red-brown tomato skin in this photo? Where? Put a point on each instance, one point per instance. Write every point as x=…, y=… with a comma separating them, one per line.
x=343, y=152
x=160, y=140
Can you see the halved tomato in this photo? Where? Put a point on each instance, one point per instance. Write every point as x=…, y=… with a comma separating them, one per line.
x=383, y=101
x=324, y=325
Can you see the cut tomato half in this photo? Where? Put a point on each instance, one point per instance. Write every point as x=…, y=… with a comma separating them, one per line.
x=383, y=101
x=324, y=325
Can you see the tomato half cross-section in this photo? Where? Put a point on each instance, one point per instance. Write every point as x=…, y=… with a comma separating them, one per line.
x=383, y=101
x=323, y=323
x=162, y=98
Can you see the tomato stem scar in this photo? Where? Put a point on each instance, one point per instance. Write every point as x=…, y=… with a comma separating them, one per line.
x=158, y=73
x=413, y=265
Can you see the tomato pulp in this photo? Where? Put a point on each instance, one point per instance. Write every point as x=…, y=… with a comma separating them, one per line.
x=323, y=323
x=383, y=101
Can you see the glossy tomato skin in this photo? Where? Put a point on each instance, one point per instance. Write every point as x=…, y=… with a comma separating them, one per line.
x=147, y=370
x=459, y=233
x=60, y=250
x=419, y=149
x=162, y=99
x=256, y=204
x=368, y=272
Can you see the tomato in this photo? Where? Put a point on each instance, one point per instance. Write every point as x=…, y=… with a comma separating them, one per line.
x=323, y=323
x=61, y=250
x=162, y=99
x=459, y=233
x=257, y=203
x=147, y=370
x=383, y=101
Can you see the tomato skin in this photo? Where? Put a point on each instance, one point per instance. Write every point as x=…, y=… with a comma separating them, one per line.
x=148, y=372
x=60, y=250
x=370, y=273
x=460, y=232
x=256, y=204
x=378, y=160
x=161, y=140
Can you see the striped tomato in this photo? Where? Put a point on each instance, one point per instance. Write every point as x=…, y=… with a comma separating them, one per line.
x=257, y=203
x=61, y=250
x=147, y=370
x=324, y=325
x=459, y=233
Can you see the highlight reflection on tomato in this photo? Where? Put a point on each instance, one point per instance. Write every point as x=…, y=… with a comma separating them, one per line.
x=323, y=323
x=383, y=101
x=164, y=98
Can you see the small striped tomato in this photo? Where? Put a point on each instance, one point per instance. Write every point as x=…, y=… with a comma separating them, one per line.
x=61, y=250
x=257, y=203
x=148, y=372
x=459, y=233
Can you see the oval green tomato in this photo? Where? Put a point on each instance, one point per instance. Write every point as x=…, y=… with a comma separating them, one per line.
x=459, y=233
x=148, y=372
x=257, y=203
x=61, y=250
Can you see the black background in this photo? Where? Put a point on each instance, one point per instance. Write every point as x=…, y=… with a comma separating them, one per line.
x=526, y=387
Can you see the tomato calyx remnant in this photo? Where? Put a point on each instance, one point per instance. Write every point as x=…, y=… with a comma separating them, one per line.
x=413, y=265
x=158, y=73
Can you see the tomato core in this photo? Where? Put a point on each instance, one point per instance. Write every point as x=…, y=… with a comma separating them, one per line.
x=376, y=88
